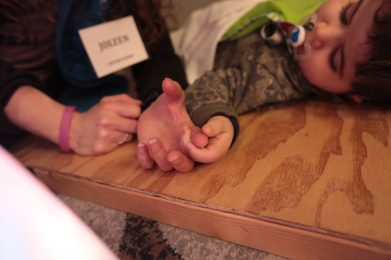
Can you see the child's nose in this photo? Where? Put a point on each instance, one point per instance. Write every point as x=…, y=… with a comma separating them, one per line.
x=325, y=34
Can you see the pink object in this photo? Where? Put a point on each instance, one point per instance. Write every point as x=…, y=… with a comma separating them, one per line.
x=64, y=129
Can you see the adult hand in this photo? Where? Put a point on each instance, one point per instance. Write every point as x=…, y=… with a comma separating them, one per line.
x=161, y=128
x=105, y=126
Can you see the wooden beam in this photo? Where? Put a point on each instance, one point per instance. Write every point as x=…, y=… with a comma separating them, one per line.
x=277, y=237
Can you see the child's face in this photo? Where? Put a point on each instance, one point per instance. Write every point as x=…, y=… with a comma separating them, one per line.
x=338, y=43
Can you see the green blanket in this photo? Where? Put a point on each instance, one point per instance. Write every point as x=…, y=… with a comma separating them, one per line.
x=292, y=11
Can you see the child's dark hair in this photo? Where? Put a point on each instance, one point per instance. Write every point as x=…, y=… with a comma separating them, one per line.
x=373, y=77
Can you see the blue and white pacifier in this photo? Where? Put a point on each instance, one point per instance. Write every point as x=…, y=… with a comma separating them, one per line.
x=302, y=48
x=275, y=32
x=297, y=36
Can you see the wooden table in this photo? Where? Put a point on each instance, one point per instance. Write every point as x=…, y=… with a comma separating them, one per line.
x=312, y=180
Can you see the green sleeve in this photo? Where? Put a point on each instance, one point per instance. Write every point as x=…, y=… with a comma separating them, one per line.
x=257, y=81
x=248, y=75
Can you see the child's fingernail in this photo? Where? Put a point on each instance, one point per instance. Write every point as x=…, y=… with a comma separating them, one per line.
x=140, y=145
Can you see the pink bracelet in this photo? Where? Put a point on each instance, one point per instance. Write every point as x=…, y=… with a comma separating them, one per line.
x=64, y=129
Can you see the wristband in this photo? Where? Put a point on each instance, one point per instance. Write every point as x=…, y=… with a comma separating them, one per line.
x=66, y=119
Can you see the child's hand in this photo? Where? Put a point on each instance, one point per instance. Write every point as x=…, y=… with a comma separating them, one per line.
x=220, y=131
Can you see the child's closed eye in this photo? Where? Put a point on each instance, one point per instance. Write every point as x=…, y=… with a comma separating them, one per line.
x=348, y=11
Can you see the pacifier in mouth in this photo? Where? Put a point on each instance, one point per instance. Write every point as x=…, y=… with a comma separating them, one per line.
x=276, y=31
x=302, y=47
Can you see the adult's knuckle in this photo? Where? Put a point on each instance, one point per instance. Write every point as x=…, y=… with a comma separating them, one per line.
x=98, y=148
x=102, y=134
x=105, y=99
x=103, y=121
x=123, y=95
x=105, y=106
x=137, y=110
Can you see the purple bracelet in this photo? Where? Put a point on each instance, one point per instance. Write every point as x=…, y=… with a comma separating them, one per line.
x=64, y=129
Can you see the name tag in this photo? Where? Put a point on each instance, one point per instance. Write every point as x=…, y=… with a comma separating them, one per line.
x=113, y=45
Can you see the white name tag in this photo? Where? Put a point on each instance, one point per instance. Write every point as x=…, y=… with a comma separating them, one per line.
x=113, y=45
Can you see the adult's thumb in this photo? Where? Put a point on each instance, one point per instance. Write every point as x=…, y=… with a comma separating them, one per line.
x=173, y=90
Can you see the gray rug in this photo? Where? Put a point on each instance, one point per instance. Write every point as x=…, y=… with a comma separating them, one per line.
x=133, y=237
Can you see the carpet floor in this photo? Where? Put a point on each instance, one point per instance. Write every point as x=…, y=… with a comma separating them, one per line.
x=133, y=237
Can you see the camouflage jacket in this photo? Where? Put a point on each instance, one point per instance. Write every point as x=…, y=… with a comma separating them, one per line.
x=248, y=74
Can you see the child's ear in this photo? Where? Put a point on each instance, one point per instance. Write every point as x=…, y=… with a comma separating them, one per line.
x=356, y=99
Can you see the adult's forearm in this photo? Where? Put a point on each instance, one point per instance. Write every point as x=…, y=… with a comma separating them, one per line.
x=35, y=112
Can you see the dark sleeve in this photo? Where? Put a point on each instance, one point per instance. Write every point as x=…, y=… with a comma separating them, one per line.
x=10, y=80
x=163, y=61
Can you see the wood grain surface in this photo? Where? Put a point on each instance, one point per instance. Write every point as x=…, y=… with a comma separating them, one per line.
x=309, y=170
